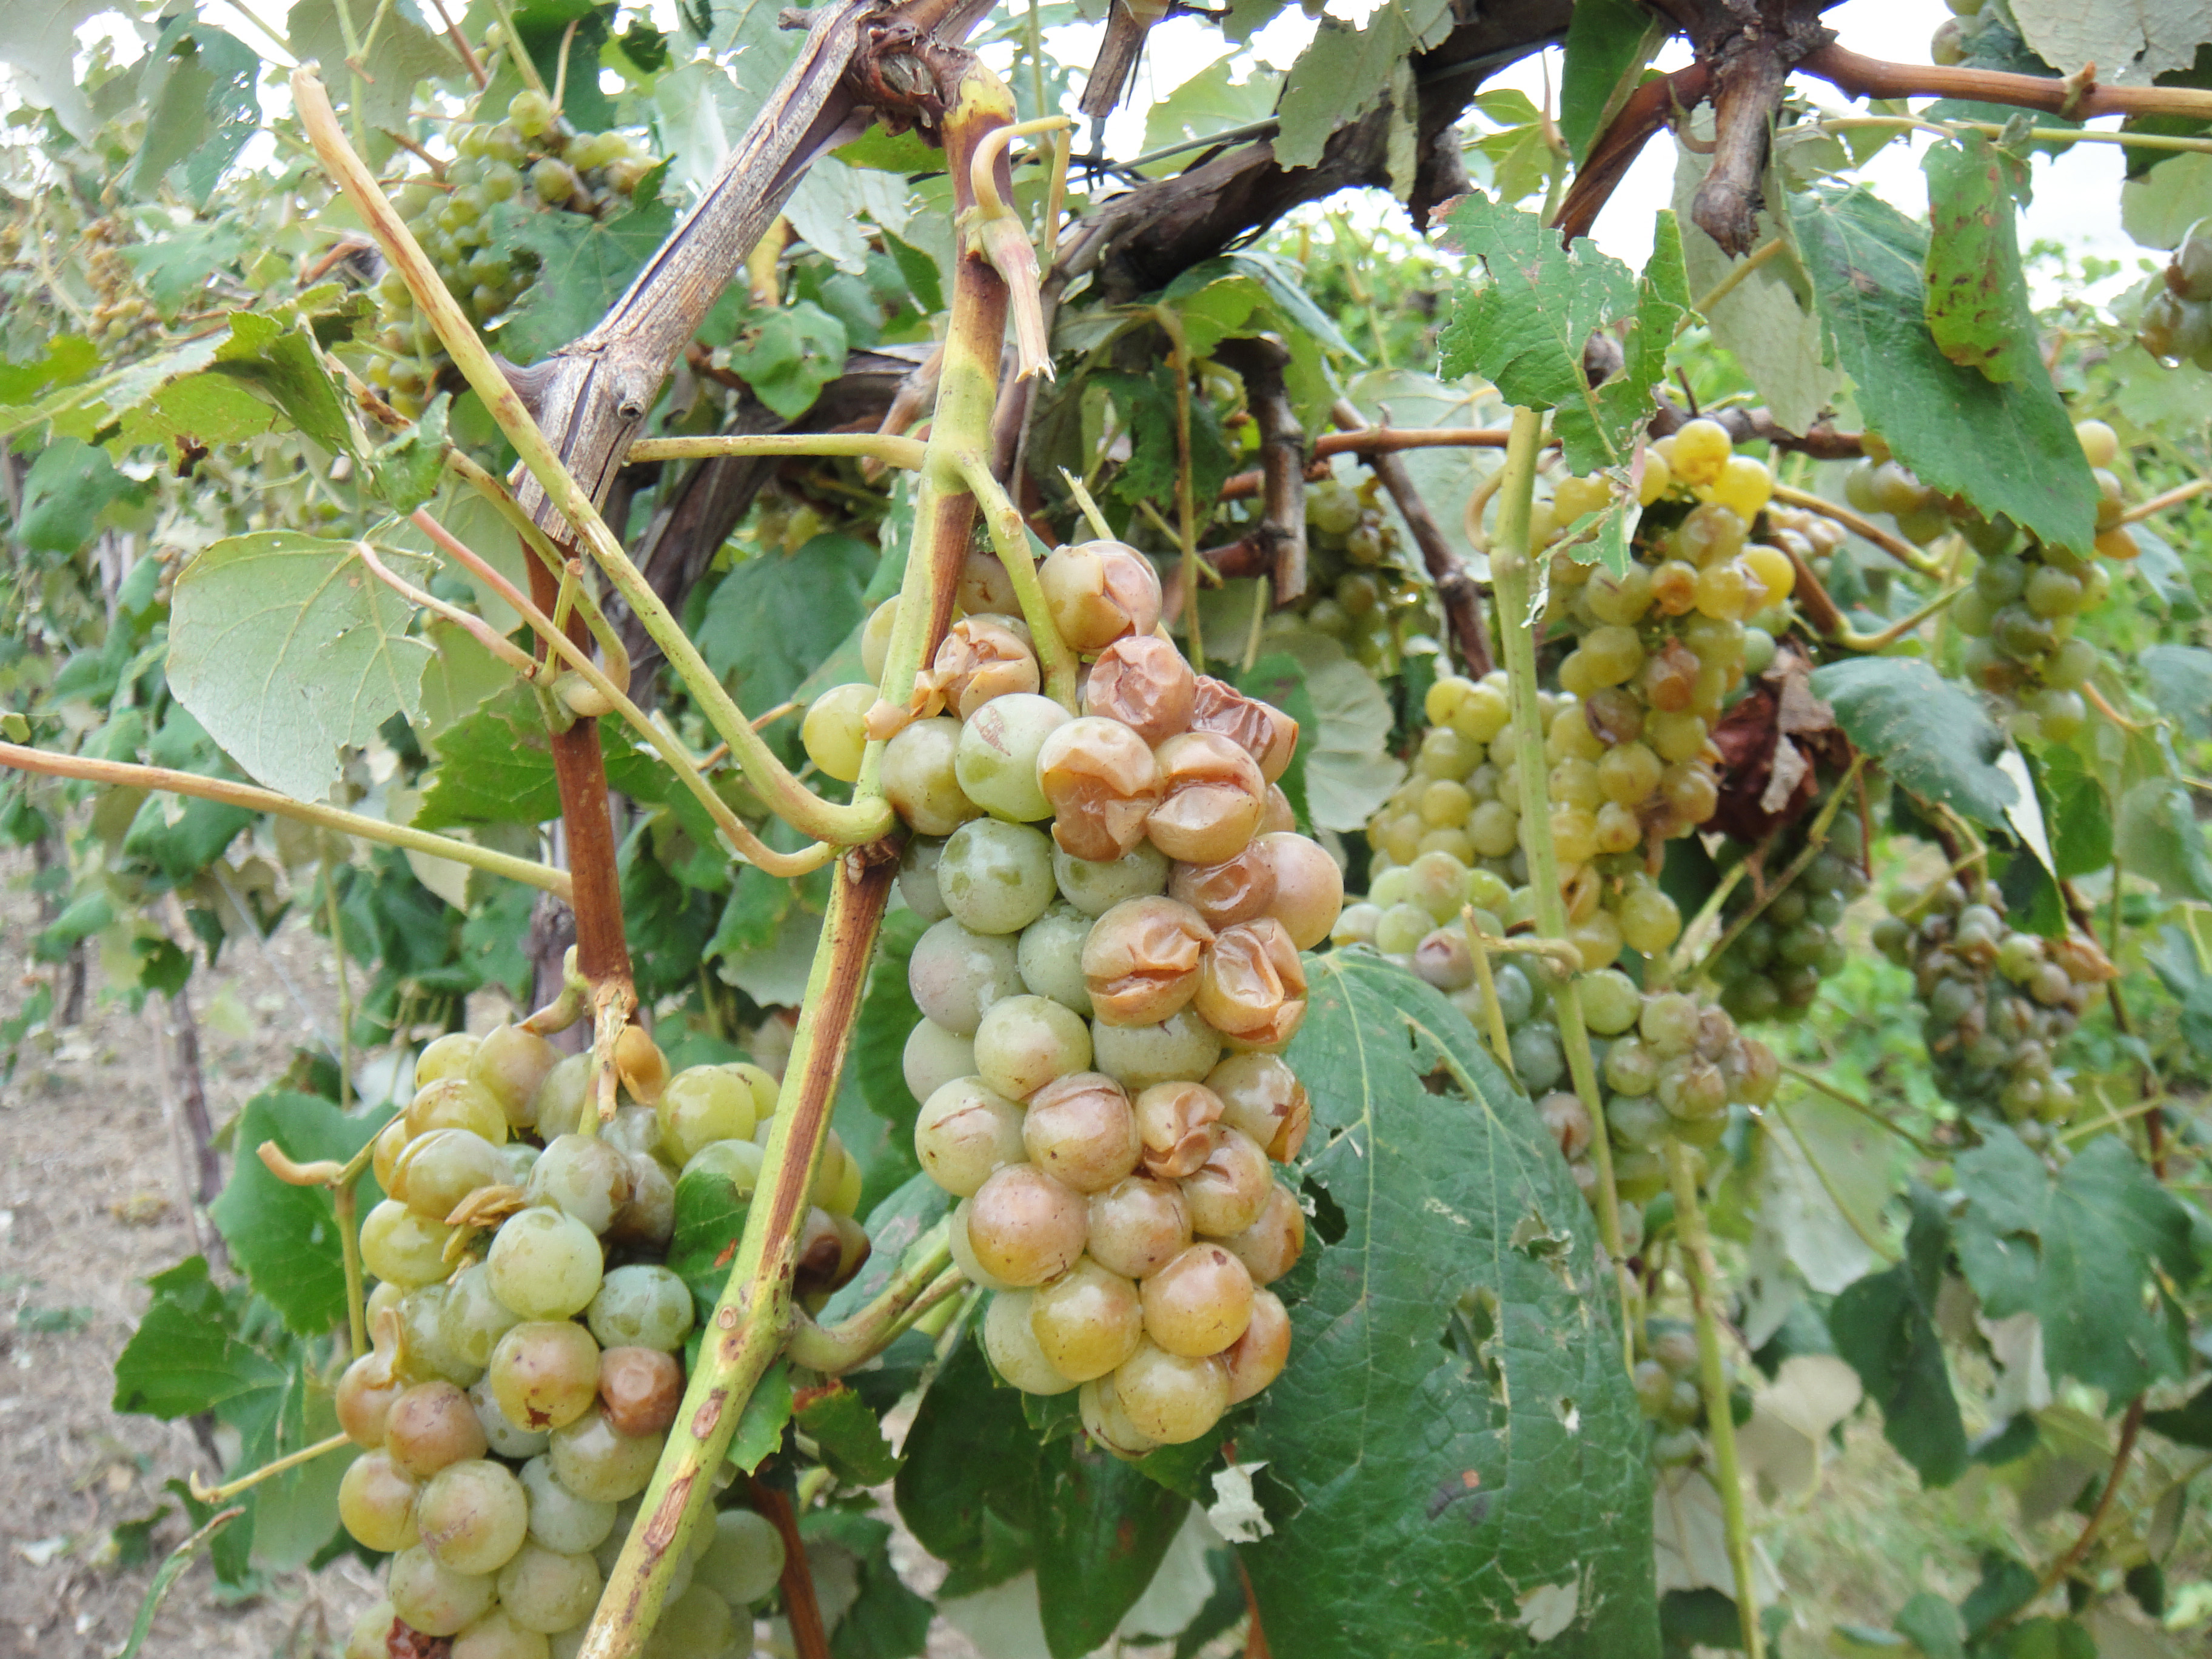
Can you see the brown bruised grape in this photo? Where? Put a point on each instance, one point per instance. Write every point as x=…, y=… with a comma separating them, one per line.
x=376, y=1502
x=1271, y=1246
x=1212, y=796
x=981, y=658
x=511, y=1064
x=1099, y=592
x=544, y=1374
x=1224, y=893
x=1138, y=1226
x=1251, y=986
x=431, y=1425
x=1266, y=734
x=457, y=1103
x=1263, y=1097
x=1013, y=1346
x=919, y=779
x=640, y=1064
x=1170, y=1398
x=985, y=589
x=1105, y=1422
x=647, y=1217
x=1308, y=888
x=435, y=1171
x=1102, y=783
x=435, y=1599
x=1276, y=816
x=1144, y=682
x=640, y=1389
x=1174, y=1123
x=1227, y=1191
x=1024, y=1227
x=1568, y=1119
x=472, y=1515
x=1142, y=960
x=1081, y=1131
x=365, y=1393
x=1086, y=1321
x=1257, y=1357
x=1199, y=1302
x=1138, y=1056
x=966, y=1130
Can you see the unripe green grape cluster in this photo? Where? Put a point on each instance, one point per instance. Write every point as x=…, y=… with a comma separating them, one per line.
x=2176, y=325
x=1117, y=900
x=530, y=1340
x=1773, y=968
x=2020, y=613
x=1668, y=1391
x=531, y=160
x=1358, y=592
x=1999, y=1003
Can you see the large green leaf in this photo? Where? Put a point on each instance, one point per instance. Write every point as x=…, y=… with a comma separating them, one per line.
x=2079, y=1253
x=2158, y=836
x=1454, y=1460
x=198, y=90
x=1609, y=43
x=1102, y=1527
x=1977, y=304
x=1346, y=71
x=2180, y=681
x=284, y=1238
x=778, y=614
x=285, y=365
x=1929, y=735
x=187, y=1355
x=886, y=1620
x=967, y=1490
x=1884, y=1328
x=2006, y=448
x=397, y=51
x=286, y=649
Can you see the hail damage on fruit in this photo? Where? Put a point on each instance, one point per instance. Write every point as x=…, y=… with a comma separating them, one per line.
x=1276, y=925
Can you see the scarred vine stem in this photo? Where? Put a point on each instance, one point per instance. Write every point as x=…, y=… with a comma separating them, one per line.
x=905, y=454
x=130, y=775
x=864, y=820
x=1511, y=557
x=1697, y=1258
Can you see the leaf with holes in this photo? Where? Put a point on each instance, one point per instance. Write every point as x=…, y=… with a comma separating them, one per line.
x=1344, y=72
x=1451, y=1453
x=1977, y=305
x=287, y=649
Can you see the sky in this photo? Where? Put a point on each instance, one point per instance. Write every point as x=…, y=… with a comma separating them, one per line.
x=2076, y=201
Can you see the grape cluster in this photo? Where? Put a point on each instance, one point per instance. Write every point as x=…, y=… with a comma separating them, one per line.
x=1666, y=1065
x=1367, y=601
x=2018, y=616
x=1772, y=970
x=1999, y=1003
x=2176, y=319
x=1667, y=1391
x=1117, y=903
x=519, y=1394
x=121, y=312
x=531, y=160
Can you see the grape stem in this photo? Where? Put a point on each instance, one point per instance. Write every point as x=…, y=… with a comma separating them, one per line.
x=1010, y=537
x=230, y=1489
x=1089, y=507
x=1697, y=1260
x=1478, y=947
x=2173, y=497
x=918, y=1287
x=127, y=775
x=905, y=454
x=802, y=1608
x=1510, y=559
x=171, y=1570
x=752, y=1319
x=1819, y=1085
x=1866, y=529
x=863, y=821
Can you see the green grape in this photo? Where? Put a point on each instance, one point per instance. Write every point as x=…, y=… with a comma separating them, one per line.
x=697, y=1621
x=472, y=1515
x=496, y=1636
x=436, y=1171
x=501, y=1435
x=544, y=1264
x=835, y=731
x=996, y=877
x=582, y=1177
x=995, y=757
x=595, y=1460
x=955, y=976
x=376, y=1502
x=471, y=1320
x=745, y=1560
x=435, y=1599
x=548, y=1590
x=642, y=1306
x=703, y=1103
x=402, y=1247
x=544, y=1374
x=561, y=1521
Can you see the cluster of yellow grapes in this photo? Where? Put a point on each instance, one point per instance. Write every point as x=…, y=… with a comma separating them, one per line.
x=530, y=1341
x=1118, y=901
x=1365, y=599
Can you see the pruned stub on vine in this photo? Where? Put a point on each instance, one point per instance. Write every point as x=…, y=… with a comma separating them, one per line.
x=1750, y=46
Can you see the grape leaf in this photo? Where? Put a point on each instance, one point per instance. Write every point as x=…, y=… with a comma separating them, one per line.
x=2158, y=836
x=709, y=1217
x=771, y=619
x=851, y=1439
x=1454, y=1447
x=285, y=647
x=894, y=1226
x=1977, y=307
x=1207, y=103
x=2176, y=964
x=966, y=1490
x=2008, y=448
x=1344, y=71
x=1609, y=43
x=2078, y=1253
x=198, y=89
x=1602, y=429
x=285, y=366
x=760, y=1425
x=68, y=486
x=788, y=354
x=2126, y=40
x=584, y=265
x=398, y=52
x=1884, y=1328
x=886, y=1620
x=285, y=1238
x=1524, y=329
x=187, y=1355
x=2180, y=680
x=2187, y=1424
x=1102, y=1530
x=1929, y=736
